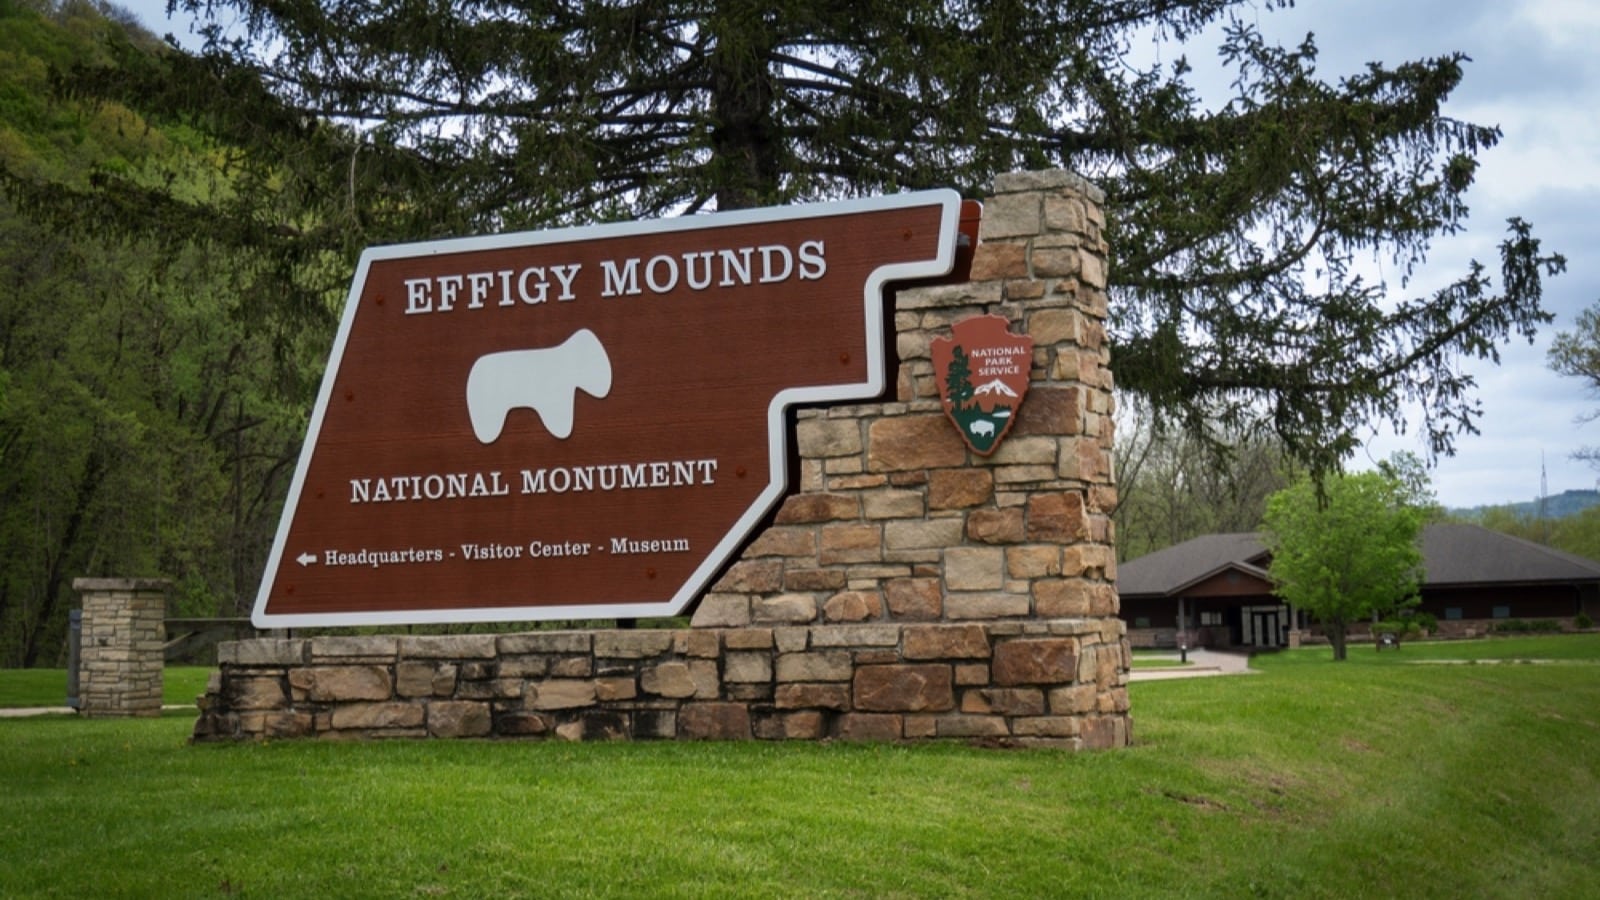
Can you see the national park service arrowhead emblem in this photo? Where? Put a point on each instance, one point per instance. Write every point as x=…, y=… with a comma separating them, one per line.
x=982, y=371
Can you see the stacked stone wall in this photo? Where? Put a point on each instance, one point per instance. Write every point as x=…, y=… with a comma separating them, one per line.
x=1028, y=684
x=908, y=588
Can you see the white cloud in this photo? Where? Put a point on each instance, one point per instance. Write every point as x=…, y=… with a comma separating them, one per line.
x=1562, y=22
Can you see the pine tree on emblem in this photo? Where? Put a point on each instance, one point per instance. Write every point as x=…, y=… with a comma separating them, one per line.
x=957, y=381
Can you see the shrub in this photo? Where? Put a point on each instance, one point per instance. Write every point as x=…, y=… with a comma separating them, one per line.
x=1583, y=622
x=1402, y=629
x=1526, y=626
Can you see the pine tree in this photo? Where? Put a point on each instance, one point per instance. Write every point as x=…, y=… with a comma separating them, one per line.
x=1234, y=231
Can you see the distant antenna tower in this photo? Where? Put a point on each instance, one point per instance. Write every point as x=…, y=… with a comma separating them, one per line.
x=1544, y=493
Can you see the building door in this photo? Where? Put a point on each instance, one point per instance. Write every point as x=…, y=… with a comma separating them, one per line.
x=1266, y=627
x=1262, y=625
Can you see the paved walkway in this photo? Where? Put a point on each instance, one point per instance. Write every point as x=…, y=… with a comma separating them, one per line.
x=1202, y=663
x=29, y=711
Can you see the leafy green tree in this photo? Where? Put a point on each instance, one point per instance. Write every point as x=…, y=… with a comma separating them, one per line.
x=149, y=415
x=1576, y=353
x=1410, y=475
x=1173, y=485
x=1348, y=553
x=1578, y=533
x=1235, y=230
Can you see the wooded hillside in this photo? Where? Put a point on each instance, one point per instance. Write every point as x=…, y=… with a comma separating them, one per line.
x=149, y=419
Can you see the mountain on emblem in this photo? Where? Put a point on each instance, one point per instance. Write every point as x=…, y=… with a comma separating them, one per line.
x=995, y=387
x=983, y=350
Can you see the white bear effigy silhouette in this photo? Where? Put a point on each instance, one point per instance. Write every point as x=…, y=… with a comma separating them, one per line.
x=545, y=380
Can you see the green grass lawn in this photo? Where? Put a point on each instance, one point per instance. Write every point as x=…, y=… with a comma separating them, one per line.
x=1378, y=777
x=1147, y=658
x=1547, y=648
x=1159, y=662
x=48, y=687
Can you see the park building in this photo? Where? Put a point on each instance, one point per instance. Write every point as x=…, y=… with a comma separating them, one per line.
x=1215, y=590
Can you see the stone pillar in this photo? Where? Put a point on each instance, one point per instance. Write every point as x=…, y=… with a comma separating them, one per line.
x=896, y=520
x=121, y=655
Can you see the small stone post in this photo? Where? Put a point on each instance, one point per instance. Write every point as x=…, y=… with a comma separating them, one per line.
x=124, y=630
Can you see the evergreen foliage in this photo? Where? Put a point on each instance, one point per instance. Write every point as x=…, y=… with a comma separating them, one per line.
x=1238, y=232
x=204, y=210
x=958, y=380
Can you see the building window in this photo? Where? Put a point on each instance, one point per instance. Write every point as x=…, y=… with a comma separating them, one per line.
x=1142, y=622
x=1210, y=618
x=1502, y=612
x=1452, y=612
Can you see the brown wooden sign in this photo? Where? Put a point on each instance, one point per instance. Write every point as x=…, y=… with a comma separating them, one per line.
x=584, y=423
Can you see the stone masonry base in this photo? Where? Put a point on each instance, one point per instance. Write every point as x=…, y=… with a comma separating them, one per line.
x=1050, y=683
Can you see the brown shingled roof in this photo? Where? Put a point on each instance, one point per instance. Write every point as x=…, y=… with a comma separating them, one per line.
x=1470, y=554
x=1452, y=554
x=1165, y=572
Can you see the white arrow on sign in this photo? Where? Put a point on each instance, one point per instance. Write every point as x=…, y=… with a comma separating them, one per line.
x=306, y=559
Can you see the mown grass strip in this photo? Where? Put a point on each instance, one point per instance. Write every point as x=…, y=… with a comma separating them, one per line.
x=28, y=688
x=1145, y=658
x=1313, y=779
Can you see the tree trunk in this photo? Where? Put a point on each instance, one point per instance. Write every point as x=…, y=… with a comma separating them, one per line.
x=94, y=471
x=743, y=140
x=1336, y=637
x=9, y=656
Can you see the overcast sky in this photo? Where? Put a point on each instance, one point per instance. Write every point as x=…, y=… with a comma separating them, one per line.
x=1535, y=74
